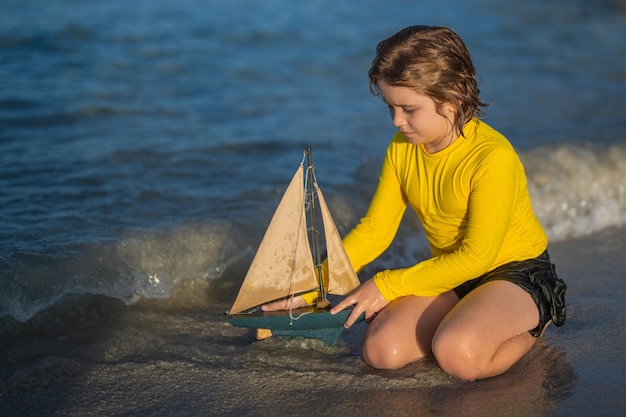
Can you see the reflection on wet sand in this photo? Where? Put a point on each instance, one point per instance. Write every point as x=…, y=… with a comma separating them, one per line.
x=534, y=387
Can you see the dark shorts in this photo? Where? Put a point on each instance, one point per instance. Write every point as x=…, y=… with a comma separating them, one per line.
x=537, y=277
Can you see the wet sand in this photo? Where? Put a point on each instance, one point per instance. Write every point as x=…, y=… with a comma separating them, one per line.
x=109, y=359
x=594, y=337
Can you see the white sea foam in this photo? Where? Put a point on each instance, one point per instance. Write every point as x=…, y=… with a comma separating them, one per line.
x=577, y=190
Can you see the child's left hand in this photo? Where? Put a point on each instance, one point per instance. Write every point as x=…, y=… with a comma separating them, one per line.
x=286, y=304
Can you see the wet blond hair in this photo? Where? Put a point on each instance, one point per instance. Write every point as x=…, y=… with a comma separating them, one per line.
x=433, y=61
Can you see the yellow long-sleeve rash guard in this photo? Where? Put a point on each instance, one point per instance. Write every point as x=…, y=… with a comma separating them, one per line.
x=472, y=200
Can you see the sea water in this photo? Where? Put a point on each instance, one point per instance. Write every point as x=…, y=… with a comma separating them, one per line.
x=144, y=146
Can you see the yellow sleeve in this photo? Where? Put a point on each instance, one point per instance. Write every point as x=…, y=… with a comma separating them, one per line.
x=310, y=297
x=375, y=232
x=493, y=192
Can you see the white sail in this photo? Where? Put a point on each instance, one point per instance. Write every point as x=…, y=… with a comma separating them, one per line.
x=341, y=276
x=283, y=264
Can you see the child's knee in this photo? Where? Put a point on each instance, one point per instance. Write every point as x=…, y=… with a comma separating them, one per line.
x=458, y=357
x=381, y=352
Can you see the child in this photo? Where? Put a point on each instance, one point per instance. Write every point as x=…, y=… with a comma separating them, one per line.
x=489, y=289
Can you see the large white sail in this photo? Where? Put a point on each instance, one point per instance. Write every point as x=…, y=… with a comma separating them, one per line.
x=283, y=264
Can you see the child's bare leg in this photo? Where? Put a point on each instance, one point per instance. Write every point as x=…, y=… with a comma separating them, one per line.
x=486, y=332
x=402, y=332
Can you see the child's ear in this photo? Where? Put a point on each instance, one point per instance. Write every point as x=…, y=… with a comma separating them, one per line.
x=452, y=109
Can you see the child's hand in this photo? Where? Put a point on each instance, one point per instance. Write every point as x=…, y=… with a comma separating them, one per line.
x=365, y=298
x=286, y=304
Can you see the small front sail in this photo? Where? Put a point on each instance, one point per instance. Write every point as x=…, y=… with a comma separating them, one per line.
x=341, y=276
x=282, y=265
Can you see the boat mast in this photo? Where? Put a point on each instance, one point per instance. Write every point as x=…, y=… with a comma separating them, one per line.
x=317, y=257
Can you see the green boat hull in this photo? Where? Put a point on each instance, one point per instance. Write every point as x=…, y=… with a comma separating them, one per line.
x=309, y=322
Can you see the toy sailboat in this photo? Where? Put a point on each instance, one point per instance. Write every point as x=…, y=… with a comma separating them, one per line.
x=286, y=265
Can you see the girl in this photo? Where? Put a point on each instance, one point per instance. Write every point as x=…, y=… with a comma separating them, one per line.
x=489, y=289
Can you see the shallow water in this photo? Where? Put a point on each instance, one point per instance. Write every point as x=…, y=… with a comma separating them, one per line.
x=144, y=146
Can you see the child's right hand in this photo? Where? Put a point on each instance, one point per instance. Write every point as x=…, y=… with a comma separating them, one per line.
x=365, y=299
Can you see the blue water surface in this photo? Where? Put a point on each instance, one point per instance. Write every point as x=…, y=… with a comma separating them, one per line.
x=144, y=143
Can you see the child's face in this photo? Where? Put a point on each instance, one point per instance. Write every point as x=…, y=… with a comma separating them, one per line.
x=417, y=117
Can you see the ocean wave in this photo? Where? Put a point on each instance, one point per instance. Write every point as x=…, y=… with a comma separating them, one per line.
x=139, y=267
x=577, y=189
